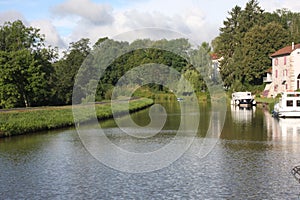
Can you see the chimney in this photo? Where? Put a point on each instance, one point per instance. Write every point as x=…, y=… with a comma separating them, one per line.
x=293, y=46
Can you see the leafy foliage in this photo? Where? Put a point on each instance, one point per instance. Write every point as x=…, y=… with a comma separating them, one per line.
x=25, y=66
x=31, y=75
x=66, y=69
x=112, y=59
x=247, y=39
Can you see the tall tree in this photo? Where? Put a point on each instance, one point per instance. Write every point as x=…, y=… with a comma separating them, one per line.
x=25, y=66
x=226, y=44
x=258, y=44
x=67, y=68
x=252, y=15
x=247, y=39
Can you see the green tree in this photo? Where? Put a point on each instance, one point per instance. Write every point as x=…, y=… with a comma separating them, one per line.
x=289, y=21
x=247, y=39
x=258, y=44
x=67, y=68
x=25, y=66
x=140, y=52
x=227, y=43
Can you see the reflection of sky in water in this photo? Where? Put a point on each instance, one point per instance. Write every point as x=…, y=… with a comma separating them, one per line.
x=252, y=160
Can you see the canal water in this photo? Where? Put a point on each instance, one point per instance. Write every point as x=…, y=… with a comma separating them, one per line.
x=252, y=159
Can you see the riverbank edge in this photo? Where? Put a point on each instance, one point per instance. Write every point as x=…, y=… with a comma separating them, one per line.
x=266, y=103
x=20, y=122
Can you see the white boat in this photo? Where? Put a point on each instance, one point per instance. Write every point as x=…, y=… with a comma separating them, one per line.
x=288, y=105
x=242, y=99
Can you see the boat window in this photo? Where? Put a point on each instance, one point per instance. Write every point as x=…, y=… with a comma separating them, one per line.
x=289, y=103
x=292, y=95
x=298, y=103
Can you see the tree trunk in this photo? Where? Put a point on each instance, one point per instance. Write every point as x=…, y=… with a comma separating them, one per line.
x=26, y=102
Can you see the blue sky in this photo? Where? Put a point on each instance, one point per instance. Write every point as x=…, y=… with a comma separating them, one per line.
x=65, y=21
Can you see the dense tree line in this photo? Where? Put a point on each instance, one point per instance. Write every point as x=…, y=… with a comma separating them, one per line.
x=247, y=39
x=32, y=74
x=112, y=59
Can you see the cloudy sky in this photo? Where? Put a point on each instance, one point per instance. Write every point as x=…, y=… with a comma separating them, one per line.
x=65, y=21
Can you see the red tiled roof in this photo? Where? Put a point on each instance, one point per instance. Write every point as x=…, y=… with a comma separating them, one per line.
x=214, y=56
x=286, y=50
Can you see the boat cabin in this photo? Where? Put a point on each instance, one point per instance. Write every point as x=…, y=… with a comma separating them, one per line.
x=290, y=99
x=242, y=99
x=288, y=105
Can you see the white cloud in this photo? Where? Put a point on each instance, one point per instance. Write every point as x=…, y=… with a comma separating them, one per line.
x=171, y=15
x=272, y=5
x=51, y=35
x=46, y=27
x=292, y=5
x=199, y=20
x=11, y=16
x=167, y=7
x=190, y=23
x=98, y=14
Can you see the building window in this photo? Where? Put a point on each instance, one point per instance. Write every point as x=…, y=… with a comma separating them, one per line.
x=276, y=73
x=289, y=103
x=276, y=61
x=284, y=60
x=298, y=81
x=298, y=103
x=286, y=86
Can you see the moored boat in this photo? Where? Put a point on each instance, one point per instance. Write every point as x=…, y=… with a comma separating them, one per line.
x=243, y=99
x=288, y=105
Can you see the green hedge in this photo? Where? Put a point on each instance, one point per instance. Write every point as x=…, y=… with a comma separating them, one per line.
x=16, y=122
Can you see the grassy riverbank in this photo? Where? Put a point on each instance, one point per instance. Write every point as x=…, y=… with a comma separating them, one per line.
x=201, y=97
x=21, y=121
x=266, y=102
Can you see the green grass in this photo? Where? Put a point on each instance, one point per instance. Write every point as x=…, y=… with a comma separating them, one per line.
x=171, y=97
x=16, y=122
x=269, y=101
x=264, y=100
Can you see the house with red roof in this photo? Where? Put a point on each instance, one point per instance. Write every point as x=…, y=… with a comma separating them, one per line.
x=285, y=74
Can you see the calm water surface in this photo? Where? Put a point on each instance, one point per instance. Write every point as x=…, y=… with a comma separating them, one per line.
x=251, y=160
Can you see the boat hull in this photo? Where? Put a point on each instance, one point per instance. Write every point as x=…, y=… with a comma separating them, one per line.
x=286, y=114
x=243, y=102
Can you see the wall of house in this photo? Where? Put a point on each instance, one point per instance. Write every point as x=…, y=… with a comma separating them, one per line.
x=295, y=64
x=268, y=77
x=280, y=74
x=285, y=74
